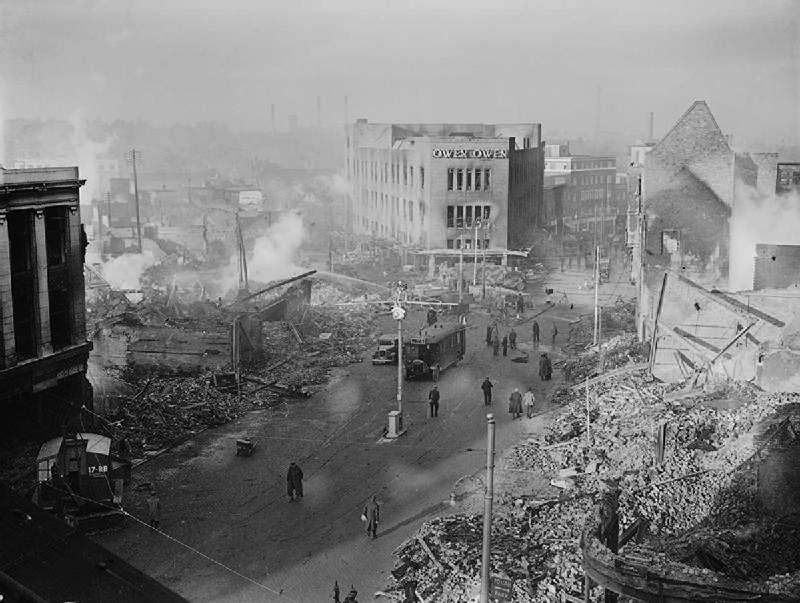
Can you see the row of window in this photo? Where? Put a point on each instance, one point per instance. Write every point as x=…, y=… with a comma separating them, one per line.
x=582, y=180
x=390, y=204
x=394, y=173
x=460, y=216
x=469, y=179
x=380, y=229
x=479, y=243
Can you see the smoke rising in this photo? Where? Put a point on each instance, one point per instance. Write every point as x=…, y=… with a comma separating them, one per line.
x=125, y=271
x=87, y=152
x=759, y=218
x=274, y=254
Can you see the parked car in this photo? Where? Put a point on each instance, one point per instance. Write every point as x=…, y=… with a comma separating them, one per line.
x=387, y=350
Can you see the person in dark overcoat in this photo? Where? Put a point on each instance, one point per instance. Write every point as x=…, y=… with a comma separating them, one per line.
x=372, y=511
x=294, y=482
x=545, y=368
x=535, y=329
x=512, y=339
x=433, y=401
x=505, y=345
x=515, y=403
x=486, y=386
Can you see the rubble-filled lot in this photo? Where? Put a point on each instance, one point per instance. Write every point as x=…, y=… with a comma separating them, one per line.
x=701, y=498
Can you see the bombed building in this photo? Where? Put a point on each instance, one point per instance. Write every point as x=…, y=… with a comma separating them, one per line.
x=44, y=347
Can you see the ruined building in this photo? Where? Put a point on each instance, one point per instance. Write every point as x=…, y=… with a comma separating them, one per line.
x=43, y=347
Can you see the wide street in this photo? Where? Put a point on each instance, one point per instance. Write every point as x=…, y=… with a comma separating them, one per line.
x=242, y=540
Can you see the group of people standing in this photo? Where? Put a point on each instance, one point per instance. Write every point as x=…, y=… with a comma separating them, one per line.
x=516, y=401
x=509, y=340
x=493, y=339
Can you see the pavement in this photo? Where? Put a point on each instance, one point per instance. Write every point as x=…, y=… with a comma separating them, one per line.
x=230, y=533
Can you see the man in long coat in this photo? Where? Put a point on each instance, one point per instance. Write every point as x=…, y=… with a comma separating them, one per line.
x=294, y=482
x=535, y=332
x=515, y=404
x=545, y=368
x=487, y=386
x=372, y=511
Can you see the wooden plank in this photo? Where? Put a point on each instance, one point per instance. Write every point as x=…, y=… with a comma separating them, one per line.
x=695, y=339
x=654, y=339
x=750, y=310
x=739, y=335
x=427, y=549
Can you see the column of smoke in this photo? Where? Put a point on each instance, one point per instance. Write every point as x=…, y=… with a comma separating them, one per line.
x=86, y=153
x=125, y=271
x=274, y=254
x=759, y=218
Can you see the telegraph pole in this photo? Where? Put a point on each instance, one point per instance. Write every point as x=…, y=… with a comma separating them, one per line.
x=596, y=294
x=487, y=510
x=136, y=197
x=461, y=265
x=475, y=259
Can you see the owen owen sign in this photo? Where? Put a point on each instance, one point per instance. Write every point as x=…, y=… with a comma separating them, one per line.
x=470, y=153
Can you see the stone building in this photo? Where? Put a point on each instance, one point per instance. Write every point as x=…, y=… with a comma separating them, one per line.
x=43, y=346
x=439, y=186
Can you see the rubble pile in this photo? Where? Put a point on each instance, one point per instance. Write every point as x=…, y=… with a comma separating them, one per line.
x=167, y=411
x=615, y=353
x=532, y=547
x=705, y=481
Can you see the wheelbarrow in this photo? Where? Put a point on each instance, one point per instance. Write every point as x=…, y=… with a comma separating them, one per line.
x=245, y=447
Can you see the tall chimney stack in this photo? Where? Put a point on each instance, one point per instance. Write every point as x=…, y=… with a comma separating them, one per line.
x=346, y=111
x=650, y=131
x=272, y=112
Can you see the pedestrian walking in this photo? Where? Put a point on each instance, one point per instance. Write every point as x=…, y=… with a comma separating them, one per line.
x=433, y=401
x=488, y=335
x=515, y=403
x=154, y=509
x=529, y=401
x=294, y=482
x=435, y=370
x=545, y=368
x=505, y=345
x=486, y=386
x=512, y=339
x=554, y=333
x=535, y=332
x=520, y=304
x=495, y=344
x=372, y=512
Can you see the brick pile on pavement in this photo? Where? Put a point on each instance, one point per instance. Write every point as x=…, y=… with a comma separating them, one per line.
x=706, y=479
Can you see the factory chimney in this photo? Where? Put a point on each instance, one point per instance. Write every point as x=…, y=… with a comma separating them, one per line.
x=272, y=112
x=650, y=131
x=346, y=111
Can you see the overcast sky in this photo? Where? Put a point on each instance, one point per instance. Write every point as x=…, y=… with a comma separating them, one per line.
x=407, y=60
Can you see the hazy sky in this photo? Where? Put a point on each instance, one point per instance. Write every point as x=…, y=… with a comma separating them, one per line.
x=462, y=60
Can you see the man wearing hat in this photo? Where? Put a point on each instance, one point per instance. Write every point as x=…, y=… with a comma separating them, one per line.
x=487, y=386
x=433, y=398
x=515, y=404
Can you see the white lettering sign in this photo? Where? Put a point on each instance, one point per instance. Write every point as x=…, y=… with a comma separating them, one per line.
x=470, y=153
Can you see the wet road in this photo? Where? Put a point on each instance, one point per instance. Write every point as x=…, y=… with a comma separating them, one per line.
x=235, y=511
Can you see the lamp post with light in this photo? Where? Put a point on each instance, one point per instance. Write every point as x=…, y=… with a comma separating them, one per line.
x=396, y=428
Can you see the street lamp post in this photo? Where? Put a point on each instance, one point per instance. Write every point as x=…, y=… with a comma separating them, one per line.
x=398, y=313
x=488, y=494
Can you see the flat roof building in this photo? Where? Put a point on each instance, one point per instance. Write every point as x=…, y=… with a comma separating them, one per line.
x=446, y=186
x=43, y=347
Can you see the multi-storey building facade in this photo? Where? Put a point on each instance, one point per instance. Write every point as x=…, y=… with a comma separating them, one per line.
x=589, y=185
x=446, y=186
x=43, y=347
